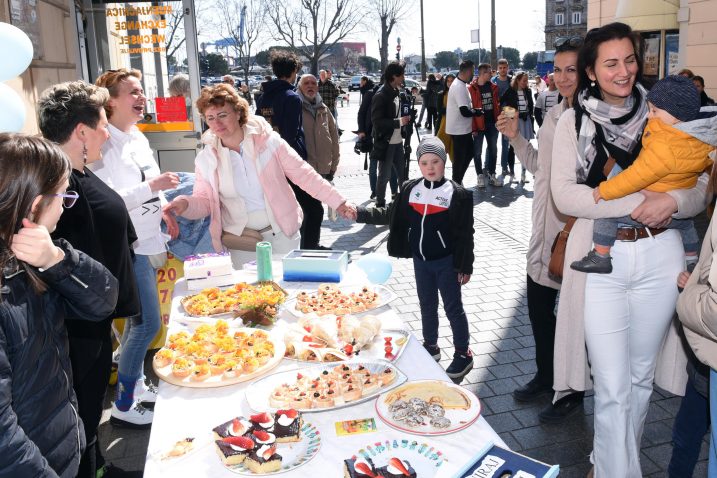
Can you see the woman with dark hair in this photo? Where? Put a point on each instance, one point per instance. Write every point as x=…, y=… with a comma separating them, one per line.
x=443, y=101
x=43, y=284
x=127, y=165
x=520, y=98
x=242, y=179
x=72, y=115
x=625, y=317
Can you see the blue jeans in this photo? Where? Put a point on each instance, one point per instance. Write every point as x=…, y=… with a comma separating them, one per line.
x=690, y=426
x=373, y=177
x=504, y=152
x=605, y=231
x=142, y=329
x=712, y=468
x=432, y=277
x=390, y=165
x=491, y=136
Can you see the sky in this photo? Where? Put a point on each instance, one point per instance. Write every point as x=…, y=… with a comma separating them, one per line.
x=448, y=25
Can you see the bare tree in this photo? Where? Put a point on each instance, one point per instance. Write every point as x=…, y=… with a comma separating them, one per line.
x=174, y=35
x=389, y=13
x=244, y=34
x=313, y=27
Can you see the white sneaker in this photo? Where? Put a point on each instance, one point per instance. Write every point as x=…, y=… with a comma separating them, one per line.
x=145, y=392
x=495, y=181
x=481, y=181
x=136, y=417
x=116, y=355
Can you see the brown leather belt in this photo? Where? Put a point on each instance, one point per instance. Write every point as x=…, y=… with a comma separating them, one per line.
x=632, y=234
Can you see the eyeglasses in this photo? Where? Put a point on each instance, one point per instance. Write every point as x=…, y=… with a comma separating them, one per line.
x=68, y=199
x=220, y=116
x=568, y=42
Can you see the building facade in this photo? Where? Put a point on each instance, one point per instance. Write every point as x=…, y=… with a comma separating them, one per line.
x=564, y=18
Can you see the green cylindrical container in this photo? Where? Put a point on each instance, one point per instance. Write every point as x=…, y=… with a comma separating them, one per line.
x=263, y=261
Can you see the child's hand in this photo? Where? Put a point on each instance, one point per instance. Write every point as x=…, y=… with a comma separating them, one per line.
x=33, y=245
x=596, y=195
x=463, y=278
x=682, y=279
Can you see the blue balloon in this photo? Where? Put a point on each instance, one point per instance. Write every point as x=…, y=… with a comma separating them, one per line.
x=17, y=51
x=377, y=267
x=12, y=110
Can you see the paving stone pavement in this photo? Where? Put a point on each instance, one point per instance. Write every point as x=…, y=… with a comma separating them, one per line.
x=501, y=337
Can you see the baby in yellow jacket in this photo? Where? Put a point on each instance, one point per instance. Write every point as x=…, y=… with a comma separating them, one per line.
x=675, y=148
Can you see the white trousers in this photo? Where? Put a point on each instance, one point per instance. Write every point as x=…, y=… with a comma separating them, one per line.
x=627, y=315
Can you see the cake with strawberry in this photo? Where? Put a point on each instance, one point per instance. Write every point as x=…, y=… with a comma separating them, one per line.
x=397, y=468
x=360, y=467
x=264, y=459
x=235, y=427
x=234, y=450
x=287, y=426
x=262, y=421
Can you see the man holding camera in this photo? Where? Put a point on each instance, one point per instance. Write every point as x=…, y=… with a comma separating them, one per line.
x=387, y=122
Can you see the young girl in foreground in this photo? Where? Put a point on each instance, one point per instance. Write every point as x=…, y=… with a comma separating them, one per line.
x=40, y=280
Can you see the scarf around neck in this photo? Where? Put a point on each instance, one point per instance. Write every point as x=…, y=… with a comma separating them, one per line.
x=314, y=107
x=621, y=126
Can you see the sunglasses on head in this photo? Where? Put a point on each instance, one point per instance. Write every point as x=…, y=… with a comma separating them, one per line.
x=568, y=42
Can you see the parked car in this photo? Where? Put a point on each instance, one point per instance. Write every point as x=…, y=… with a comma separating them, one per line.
x=355, y=82
x=409, y=83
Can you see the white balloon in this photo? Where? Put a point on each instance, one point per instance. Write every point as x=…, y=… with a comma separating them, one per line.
x=12, y=110
x=16, y=51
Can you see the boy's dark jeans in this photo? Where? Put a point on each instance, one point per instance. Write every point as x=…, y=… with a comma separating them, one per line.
x=434, y=276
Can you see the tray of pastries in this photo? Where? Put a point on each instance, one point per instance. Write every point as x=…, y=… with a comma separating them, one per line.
x=332, y=299
x=235, y=300
x=216, y=355
x=324, y=387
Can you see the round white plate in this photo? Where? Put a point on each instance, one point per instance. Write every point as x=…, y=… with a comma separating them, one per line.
x=424, y=458
x=293, y=454
x=460, y=418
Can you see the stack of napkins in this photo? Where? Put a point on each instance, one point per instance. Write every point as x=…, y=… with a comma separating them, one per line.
x=208, y=270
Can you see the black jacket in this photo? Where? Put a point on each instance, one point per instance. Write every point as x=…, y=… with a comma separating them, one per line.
x=396, y=215
x=41, y=432
x=364, y=113
x=510, y=98
x=383, y=120
x=280, y=105
x=435, y=94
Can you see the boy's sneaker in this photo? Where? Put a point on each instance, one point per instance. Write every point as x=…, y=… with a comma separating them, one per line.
x=136, y=417
x=433, y=350
x=481, y=181
x=462, y=364
x=495, y=181
x=593, y=263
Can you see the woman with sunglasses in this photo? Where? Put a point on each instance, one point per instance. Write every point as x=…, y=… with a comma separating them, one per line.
x=520, y=98
x=626, y=317
x=128, y=166
x=242, y=180
x=542, y=289
x=72, y=115
x=45, y=286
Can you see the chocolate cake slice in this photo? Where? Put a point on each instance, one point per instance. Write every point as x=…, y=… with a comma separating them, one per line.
x=287, y=426
x=234, y=450
x=263, y=460
x=235, y=427
x=359, y=467
x=397, y=468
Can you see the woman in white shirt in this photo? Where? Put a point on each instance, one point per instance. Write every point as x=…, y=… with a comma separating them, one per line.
x=128, y=166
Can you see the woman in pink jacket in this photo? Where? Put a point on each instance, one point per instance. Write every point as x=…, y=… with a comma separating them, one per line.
x=241, y=180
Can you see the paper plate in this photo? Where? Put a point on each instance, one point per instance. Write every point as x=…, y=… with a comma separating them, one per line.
x=258, y=393
x=423, y=457
x=293, y=454
x=460, y=417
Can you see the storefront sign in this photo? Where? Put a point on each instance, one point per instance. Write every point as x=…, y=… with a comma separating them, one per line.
x=652, y=57
x=171, y=109
x=23, y=14
x=138, y=28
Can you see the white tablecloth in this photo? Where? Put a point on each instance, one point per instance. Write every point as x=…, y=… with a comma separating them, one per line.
x=189, y=412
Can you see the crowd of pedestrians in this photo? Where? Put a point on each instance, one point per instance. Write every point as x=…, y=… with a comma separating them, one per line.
x=607, y=148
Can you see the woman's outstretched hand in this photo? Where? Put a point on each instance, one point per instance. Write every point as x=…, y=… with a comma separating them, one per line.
x=347, y=211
